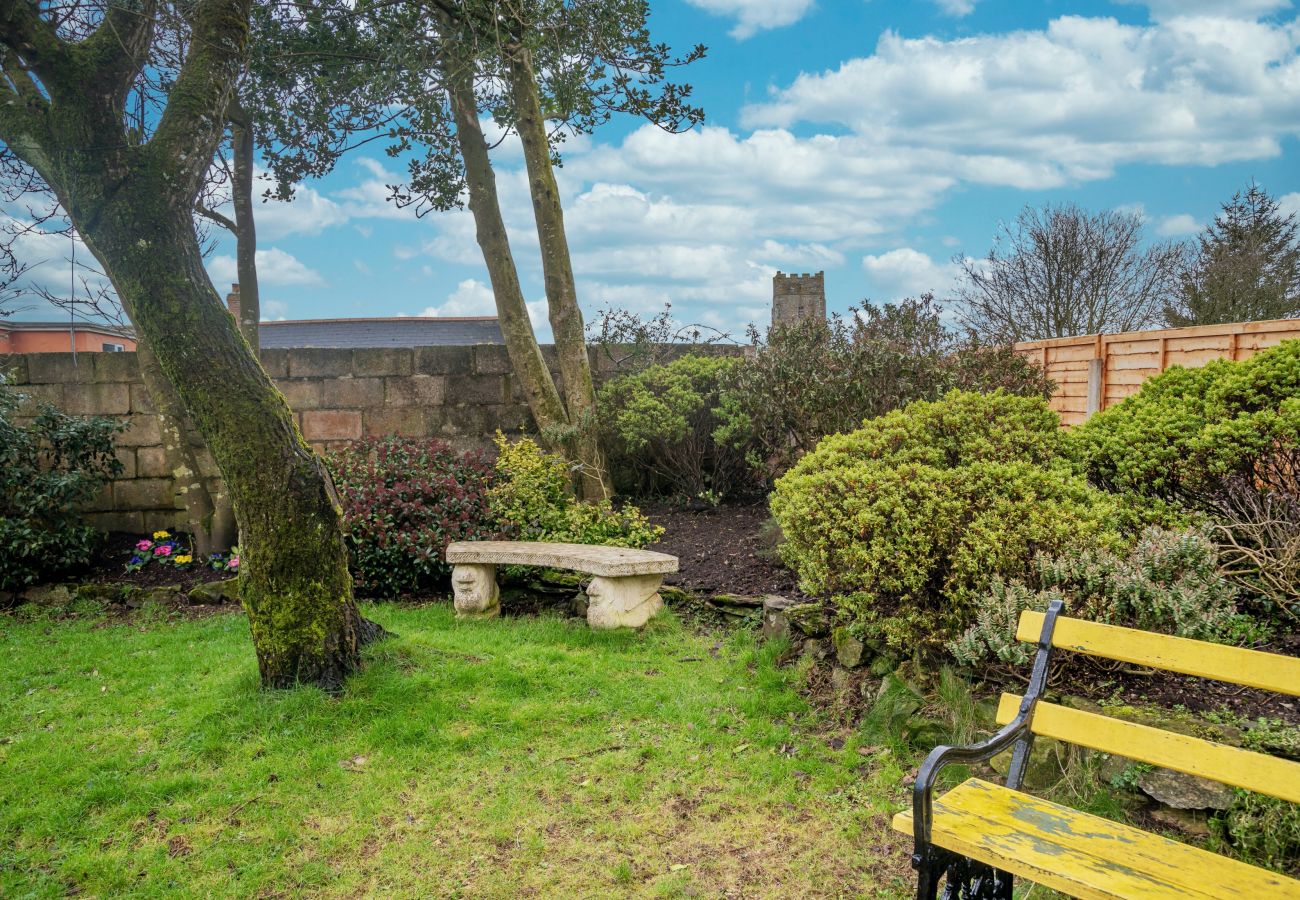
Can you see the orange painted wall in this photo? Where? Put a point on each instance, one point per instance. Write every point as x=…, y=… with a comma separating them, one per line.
x=88, y=341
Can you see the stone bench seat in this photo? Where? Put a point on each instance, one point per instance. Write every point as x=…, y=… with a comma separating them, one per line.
x=624, y=592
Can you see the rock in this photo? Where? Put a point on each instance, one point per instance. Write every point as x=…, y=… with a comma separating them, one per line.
x=841, y=680
x=165, y=594
x=673, y=594
x=50, y=594
x=1047, y=763
x=1112, y=769
x=818, y=650
x=215, y=592
x=580, y=603
x=870, y=688
x=106, y=593
x=850, y=651
x=775, y=622
x=736, y=606
x=808, y=618
x=1190, y=822
x=1185, y=791
x=883, y=664
x=738, y=600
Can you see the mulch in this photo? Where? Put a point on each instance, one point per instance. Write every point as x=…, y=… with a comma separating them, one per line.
x=727, y=549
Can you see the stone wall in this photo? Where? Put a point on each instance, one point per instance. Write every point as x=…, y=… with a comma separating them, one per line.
x=459, y=394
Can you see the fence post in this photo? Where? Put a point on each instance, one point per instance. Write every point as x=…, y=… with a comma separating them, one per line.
x=1095, y=370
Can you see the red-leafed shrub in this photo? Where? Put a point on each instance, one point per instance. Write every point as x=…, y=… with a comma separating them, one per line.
x=404, y=500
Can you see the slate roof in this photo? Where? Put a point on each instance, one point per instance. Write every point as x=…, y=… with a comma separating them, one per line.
x=409, y=331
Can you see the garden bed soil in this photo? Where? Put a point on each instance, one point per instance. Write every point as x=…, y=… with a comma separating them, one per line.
x=724, y=549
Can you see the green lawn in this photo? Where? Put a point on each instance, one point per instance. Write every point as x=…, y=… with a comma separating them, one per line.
x=513, y=758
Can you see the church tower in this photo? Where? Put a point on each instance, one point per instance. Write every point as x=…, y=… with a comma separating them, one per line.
x=798, y=297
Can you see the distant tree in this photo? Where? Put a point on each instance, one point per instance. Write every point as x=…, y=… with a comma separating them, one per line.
x=1061, y=270
x=1246, y=266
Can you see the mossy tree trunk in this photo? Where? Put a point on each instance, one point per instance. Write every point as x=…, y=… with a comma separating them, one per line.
x=210, y=519
x=490, y=229
x=131, y=202
x=557, y=272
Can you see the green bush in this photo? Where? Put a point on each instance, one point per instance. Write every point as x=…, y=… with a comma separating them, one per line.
x=49, y=469
x=1188, y=430
x=531, y=500
x=404, y=500
x=658, y=427
x=906, y=521
x=1169, y=583
x=823, y=377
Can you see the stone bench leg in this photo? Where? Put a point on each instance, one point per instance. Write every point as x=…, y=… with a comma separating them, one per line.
x=475, y=586
x=626, y=602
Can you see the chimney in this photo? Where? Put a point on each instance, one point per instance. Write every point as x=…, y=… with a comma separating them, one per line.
x=232, y=301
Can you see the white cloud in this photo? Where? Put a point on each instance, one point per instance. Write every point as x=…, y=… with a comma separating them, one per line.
x=474, y=298
x=753, y=16
x=1232, y=9
x=1037, y=109
x=274, y=310
x=956, y=8
x=1289, y=204
x=275, y=268
x=1178, y=225
x=906, y=272
x=309, y=212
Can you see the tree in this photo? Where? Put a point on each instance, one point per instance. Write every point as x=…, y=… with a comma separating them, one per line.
x=130, y=193
x=1060, y=270
x=1246, y=266
x=422, y=74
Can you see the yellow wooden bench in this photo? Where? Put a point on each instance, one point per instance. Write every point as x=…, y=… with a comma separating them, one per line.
x=976, y=837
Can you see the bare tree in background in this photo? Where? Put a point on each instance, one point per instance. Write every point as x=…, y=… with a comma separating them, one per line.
x=1060, y=270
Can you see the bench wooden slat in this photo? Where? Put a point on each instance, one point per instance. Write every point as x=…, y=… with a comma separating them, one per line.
x=1234, y=665
x=1085, y=855
x=1256, y=772
x=594, y=559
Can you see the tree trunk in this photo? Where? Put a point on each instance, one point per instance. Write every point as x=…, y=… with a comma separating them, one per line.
x=490, y=230
x=250, y=302
x=557, y=271
x=294, y=581
x=212, y=531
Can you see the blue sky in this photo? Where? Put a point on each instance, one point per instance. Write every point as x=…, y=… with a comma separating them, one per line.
x=873, y=140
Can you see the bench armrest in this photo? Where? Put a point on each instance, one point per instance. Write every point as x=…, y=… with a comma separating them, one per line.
x=1016, y=733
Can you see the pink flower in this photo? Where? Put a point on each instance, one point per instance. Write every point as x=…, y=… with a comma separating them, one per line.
x=164, y=550
x=144, y=544
x=234, y=563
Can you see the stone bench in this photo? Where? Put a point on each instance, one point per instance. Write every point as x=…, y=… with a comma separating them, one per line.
x=624, y=592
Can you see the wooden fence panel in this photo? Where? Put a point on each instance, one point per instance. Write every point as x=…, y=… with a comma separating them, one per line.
x=1127, y=360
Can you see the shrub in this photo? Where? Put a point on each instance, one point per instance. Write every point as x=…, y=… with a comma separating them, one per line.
x=906, y=521
x=49, y=468
x=819, y=378
x=1257, y=524
x=404, y=500
x=658, y=427
x=530, y=499
x=1169, y=583
x=1189, y=429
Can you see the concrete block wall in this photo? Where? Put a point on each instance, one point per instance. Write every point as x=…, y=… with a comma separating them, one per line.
x=462, y=395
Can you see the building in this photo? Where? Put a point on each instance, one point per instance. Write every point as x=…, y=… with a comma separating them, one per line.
x=798, y=297
x=396, y=331
x=63, y=337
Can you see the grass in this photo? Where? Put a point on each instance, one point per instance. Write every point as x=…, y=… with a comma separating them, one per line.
x=514, y=758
